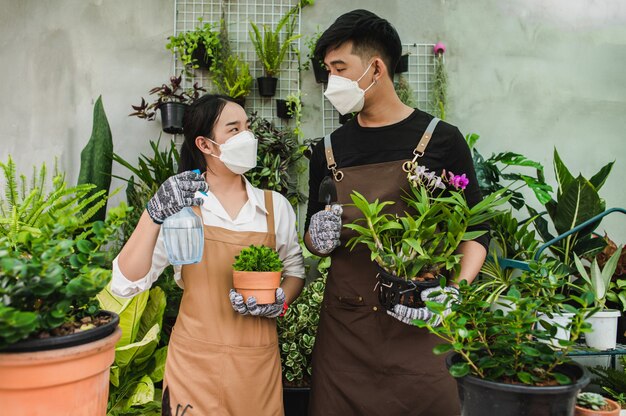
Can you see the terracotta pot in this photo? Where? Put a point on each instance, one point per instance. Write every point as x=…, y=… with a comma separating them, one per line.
x=70, y=381
x=614, y=411
x=261, y=285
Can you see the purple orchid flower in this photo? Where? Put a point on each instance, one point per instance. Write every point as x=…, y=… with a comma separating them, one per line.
x=458, y=181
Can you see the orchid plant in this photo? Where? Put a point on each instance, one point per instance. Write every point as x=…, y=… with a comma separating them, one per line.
x=422, y=242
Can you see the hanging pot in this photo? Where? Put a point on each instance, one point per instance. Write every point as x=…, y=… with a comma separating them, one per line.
x=483, y=397
x=172, y=117
x=320, y=72
x=403, y=64
x=393, y=290
x=200, y=56
x=267, y=86
x=284, y=109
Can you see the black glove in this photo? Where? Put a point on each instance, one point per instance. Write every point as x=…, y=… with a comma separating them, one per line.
x=176, y=193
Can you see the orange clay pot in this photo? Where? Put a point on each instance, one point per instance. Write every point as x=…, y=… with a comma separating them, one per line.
x=614, y=411
x=261, y=285
x=71, y=381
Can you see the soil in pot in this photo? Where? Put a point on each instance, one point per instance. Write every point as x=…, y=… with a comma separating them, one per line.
x=393, y=290
x=261, y=285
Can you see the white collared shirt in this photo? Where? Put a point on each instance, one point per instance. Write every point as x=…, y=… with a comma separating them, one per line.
x=252, y=217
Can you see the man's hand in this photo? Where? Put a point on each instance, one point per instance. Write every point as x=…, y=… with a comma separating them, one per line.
x=176, y=193
x=325, y=229
x=445, y=296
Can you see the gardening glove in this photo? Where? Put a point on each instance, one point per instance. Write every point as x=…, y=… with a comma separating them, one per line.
x=176, y=193
x=325, y=229
x=446, y=296
x=271, y=310
x=236, y=301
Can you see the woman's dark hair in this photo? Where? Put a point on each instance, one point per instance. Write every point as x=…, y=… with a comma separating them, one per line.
x=199, y=120
x=370, y=35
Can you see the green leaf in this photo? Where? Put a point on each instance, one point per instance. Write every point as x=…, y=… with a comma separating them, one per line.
x=459, y=369
x=130, y=318
x=142, y=393
x=153, y=312
x=563, y=175
x=599, y=178
x=137, y=352
x=159, y=364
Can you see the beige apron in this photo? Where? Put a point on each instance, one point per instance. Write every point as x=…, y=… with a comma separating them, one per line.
x=220, y=362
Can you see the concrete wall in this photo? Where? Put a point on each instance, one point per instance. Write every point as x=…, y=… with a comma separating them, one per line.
x=527, y=75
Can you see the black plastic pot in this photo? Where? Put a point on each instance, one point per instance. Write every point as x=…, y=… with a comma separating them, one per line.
x=199, y=54
x=284, y=109
x=296, y=400
x=343, y=119
x=321, y=74
x=481, y=397
x=267, y=86
x=79, y=338
x=403, y=64
x=172, y=117
x=394, y=291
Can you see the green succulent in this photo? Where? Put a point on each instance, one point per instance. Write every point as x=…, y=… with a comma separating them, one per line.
x=589, y=400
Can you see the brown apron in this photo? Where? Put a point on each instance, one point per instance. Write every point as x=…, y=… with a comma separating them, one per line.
x=365, y=362
x=219, y=362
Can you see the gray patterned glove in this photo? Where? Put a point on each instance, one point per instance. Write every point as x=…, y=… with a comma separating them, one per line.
x=446, y=296
x=176, y=193
x=325, y=229
x=236, y=300
x=250, y=307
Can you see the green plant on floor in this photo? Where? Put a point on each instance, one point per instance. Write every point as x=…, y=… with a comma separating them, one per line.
x=589, y=400
x=258, y=259
x=139, y=361
x=510, y=347
x=95, y=158
x=493, y=171
x=49, y=279
x=404, y=91
x=279, y=154
x=577, y=200
x=269, y=48
x=185, y=44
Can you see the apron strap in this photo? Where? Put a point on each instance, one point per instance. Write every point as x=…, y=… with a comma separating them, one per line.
x=422, y=145
x=269, y=207
x=330, y=159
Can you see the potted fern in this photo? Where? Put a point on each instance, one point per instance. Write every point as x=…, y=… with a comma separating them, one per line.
x=257, y=272
x=233, y=78
x=196, y=48
x=55, y=341
x=271, y=51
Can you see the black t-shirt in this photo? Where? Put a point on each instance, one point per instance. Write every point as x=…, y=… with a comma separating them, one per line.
x=354, y=145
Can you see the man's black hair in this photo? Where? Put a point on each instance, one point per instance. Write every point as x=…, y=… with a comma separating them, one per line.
x=369, y=34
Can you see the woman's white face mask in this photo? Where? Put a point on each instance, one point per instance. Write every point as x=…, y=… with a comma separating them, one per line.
x=239, y=152
x=345, y=94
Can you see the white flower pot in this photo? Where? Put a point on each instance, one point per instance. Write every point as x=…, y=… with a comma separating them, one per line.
x=562, y=321
x=603, y=335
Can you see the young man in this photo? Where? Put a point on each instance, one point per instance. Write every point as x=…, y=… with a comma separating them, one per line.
x=368, y=361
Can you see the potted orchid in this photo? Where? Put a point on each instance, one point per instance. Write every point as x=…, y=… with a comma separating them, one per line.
x=415, y=249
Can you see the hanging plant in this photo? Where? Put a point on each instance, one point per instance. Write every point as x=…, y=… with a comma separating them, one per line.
x=440, y=83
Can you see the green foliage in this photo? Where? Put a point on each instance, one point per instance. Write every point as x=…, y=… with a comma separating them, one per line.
x=424, y=239
x=598, y=281
x=231, y=74
x=589, y=400
x=296, y=334
x=139, y=362
x=95, y=158
x=439, y=91
x=577, y=200
x=28, y=207
x=52, y=277
x=490, y=174
x=185, y=43
x=277, y=159
x=258, y=259
x=310, y=42
x=404, y=91
x=511, y=347
x=613, y=381
x=269, y=48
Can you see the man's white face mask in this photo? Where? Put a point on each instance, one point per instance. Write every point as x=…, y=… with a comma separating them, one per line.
x=239, y=152
x=345, y=94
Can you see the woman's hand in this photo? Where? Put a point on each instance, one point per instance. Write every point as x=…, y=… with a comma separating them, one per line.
x=176, y=193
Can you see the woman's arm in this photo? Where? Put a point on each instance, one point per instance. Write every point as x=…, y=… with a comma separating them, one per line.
x=474, y=255
x=135, y=259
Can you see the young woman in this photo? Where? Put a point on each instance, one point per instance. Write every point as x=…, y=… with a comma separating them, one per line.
x=223, y=354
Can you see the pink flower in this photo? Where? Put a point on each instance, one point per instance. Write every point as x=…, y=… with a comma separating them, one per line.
x=458, y=181
x=439, y=47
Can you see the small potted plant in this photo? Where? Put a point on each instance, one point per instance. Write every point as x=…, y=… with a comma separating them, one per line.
x=171, y=102
x=196, y=48
x=233, y=78
x=319, y=69
x=55, y=341
x=289, y=107
x=271, y=51
x=594, y=404
x=416, y=249
x=257, y=272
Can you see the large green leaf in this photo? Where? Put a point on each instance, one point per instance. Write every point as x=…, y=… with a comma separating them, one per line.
x=153, y=312
x=130, y=317
x=578, y=203
x=159, y=364
x=110, y=302
x=599, y=178
x=142, y=393
x=563, y=175
x=137, y=352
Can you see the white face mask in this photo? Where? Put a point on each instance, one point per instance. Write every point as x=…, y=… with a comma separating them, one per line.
x=346, y=95
x=239, y=152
